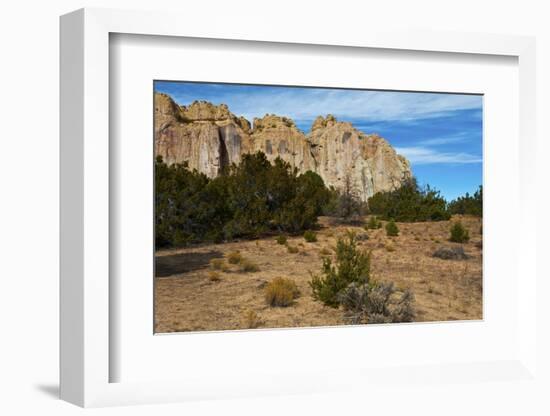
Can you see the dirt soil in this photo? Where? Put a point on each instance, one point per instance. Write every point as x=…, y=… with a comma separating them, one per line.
x=191, y=296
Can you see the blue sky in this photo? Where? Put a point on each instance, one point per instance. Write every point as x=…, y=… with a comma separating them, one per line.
x=440, y=134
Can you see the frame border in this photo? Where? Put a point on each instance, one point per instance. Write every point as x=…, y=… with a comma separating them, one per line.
x=84, y=186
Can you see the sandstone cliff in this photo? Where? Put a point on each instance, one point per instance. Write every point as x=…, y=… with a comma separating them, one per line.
x=210, y=137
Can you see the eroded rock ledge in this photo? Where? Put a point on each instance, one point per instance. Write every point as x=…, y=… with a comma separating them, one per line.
x=210, y=137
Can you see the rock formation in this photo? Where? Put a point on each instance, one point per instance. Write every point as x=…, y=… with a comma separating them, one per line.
x=210, y=137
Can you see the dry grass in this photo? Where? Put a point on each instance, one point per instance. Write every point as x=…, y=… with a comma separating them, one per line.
x=186, y=300
x=252, y=320
x=281, y=292
x=234, y=257
x=214, y=276
x=292, y=249
x=219, y=264
x=248, y=266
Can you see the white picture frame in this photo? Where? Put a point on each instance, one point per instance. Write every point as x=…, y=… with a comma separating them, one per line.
x=86, y=303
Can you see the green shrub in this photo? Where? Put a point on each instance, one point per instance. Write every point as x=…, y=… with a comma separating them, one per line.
x=348, y=284
x=234, y=257
x=410, y=203
x=391, y=229
x=281, y=292
x=459, y=234
x=281, y=239
x=373, y=223
x=310, y=236
x=352, y=266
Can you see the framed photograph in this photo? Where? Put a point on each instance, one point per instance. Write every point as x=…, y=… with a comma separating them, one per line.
x=323, y=214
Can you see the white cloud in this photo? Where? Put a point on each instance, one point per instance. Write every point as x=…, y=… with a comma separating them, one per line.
x=443, y=140
x=423, y=156
x=306, y=104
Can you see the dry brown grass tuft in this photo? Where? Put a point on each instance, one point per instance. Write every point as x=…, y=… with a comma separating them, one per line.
x=252, y=319
x=281, y=292
x=234, y=257
x=292, y=249
x=213, y=276
x=217, y=264
x=248, y=266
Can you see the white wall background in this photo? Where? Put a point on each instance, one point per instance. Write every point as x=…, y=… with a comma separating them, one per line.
x=29, y=57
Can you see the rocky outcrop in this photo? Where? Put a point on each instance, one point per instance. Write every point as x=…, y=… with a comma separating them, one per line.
x=342, y=153
x=206, y=136
x=210, y=137
x=279, y=137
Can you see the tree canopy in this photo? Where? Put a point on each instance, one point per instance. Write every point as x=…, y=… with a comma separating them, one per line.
x=247, y=200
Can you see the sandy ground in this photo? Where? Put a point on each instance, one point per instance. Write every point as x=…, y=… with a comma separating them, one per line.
x=186, y=299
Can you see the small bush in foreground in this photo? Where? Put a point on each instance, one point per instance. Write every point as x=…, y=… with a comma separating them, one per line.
x=373, y=223
x=391, y=229
x=292, y=249
x=310, y=236
x=213, y=276
x=351, y=266
x=281, y=240
x=249, y=266
x=348, y=284
x=234, y=257
x=376, y=304
x=459, y=234
x=217, y=264
x=281, y=292
x=450, y=253
x=252, y=319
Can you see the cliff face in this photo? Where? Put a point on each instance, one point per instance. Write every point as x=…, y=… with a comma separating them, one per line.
x=210, y=137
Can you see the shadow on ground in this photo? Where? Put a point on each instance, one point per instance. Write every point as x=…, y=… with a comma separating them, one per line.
x=183, y=262
x=51, y=390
